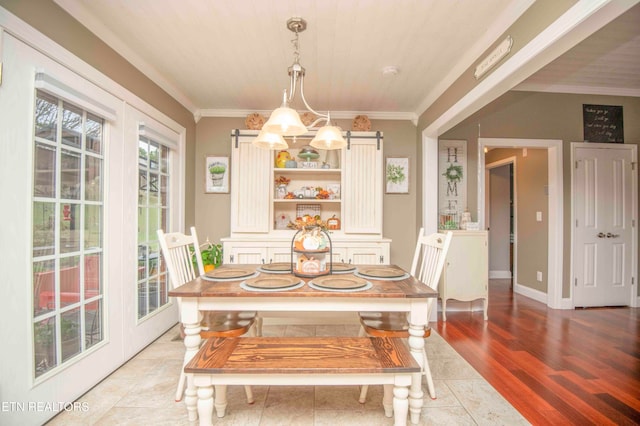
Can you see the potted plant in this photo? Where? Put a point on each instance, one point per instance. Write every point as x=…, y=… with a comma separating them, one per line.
x=211, y=256
x=217, y=170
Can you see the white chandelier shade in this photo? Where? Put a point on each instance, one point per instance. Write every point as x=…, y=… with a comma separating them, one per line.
x=269, y=140
x=328, y=137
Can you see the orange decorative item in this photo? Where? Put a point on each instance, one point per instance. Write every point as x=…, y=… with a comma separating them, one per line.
x=333, y=223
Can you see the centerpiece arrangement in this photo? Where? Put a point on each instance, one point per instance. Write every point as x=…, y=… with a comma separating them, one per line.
x=310, y=247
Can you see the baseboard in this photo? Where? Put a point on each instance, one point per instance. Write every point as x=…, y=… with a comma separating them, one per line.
x=499, y=275
x=530, y=293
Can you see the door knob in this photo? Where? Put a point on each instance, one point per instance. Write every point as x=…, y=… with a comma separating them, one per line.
x=610, y=235
x=601, y=235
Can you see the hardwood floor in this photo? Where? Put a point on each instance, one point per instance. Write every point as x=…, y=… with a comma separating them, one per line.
x=554, y=366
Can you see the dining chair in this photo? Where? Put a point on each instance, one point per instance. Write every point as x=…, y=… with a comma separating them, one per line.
x=427, y=265
x=179, y=251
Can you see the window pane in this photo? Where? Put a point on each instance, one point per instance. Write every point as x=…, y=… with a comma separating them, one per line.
x=70, y=175
x=92, y=275
x=70, y=333
x=142, y=299
x=44, y=344
x=142, y=187
x=93, y=323
x=154, y=156
x=164, y=159
x=164, y=190
x=46, y=116
x=44, y=179
x=154, y=294
x=154, y=185
x=94, y=133
x=71, y=125
x=69, y=280
x=92, y=226
x=142, y=262
x=44, y=217
x=164, y=289
x=69, y=229
x=44, y=290
x=93, y=178
x=143, y=153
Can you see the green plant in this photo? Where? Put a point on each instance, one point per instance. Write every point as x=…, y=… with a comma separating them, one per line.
x=211, y=255
x=453, y=173
x=395, y=173
x=217, y=168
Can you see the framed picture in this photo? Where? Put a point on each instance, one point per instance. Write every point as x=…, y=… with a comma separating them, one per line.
x=397, y=175
x=216, y=175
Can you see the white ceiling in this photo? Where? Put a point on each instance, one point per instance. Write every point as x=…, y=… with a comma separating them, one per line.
x=222, y=57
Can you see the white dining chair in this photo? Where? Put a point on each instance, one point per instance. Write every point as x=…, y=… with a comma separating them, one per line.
x=427, y=265
x=179, y=252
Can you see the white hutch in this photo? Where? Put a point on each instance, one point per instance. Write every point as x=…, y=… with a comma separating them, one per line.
x=258, y=211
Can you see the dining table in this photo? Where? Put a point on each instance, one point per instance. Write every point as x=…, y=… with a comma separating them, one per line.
x=400, y=292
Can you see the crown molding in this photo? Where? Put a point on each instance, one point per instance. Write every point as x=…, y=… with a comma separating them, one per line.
x=374, y=115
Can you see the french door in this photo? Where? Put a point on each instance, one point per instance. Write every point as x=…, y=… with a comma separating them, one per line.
x=71, y=309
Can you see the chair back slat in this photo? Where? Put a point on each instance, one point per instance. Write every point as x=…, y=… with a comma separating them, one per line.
x=178, y=250
x=429, y=259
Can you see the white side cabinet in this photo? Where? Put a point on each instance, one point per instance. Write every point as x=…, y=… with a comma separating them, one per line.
x=466, y=272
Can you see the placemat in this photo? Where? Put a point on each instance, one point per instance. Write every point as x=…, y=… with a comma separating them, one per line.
x=381, y=271
x=367, y=285
x=400, y=278
x=266, y=283
x=230, y=274
x=342, y=268
x=347, y=282
x=275, y=268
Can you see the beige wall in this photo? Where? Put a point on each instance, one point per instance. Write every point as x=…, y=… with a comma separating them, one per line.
x=213, y=136
x=532, y=236
x=531, y=115
x=56, y=24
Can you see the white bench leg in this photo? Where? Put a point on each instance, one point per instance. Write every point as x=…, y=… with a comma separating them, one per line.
x=427, y=374
x=400, y=405
x=249, y=392
x=191, y=400
x=221, y=400
x=205, y=405
x=363, y=394
x=388, y=402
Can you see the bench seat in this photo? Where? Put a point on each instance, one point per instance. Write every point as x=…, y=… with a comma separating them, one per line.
x=299, y=361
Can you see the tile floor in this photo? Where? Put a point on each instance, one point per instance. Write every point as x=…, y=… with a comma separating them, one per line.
x=142, y=393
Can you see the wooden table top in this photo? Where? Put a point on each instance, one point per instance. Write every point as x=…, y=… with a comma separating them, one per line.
x=408, y=287
x=303, y=355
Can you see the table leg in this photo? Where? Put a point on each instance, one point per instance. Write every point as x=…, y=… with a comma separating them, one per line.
x=417, y=322
x=190, y=317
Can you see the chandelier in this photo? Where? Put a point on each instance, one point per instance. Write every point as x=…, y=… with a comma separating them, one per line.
x=285, y=121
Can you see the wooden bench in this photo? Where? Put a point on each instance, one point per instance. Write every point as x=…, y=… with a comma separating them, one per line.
x=299, y=361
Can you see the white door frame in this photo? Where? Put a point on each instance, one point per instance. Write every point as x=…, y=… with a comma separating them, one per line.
x=635, y=299
x=553, y=298
x=487, y=171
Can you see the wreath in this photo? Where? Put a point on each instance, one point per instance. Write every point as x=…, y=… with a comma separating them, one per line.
x=453, y=173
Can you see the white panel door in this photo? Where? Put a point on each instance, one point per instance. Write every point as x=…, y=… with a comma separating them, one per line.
x=603, y=237
x=362, y=189
x=251, y=178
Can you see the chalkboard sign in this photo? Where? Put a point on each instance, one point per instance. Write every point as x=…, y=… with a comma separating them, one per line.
x=602, y=123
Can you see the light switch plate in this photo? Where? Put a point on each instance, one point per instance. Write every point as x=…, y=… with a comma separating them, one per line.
x=539, y=216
